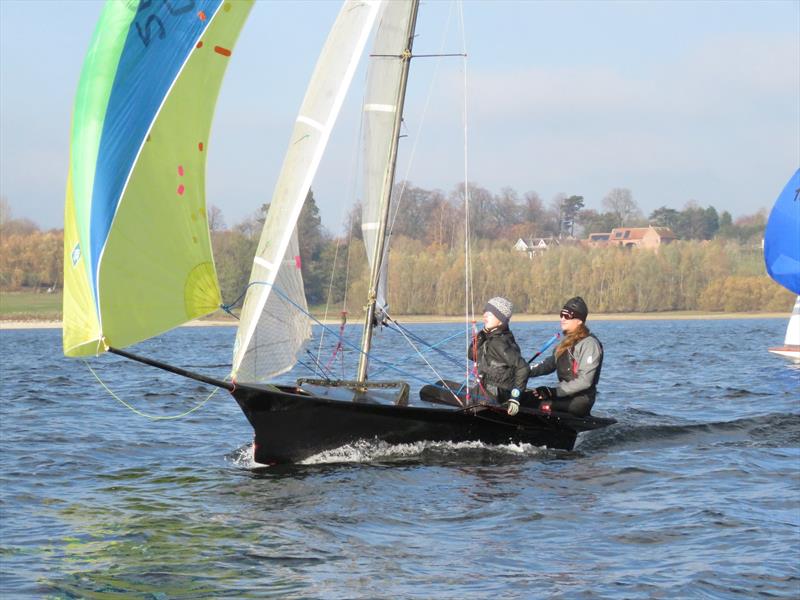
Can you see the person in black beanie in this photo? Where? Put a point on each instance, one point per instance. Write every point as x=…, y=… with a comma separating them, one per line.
x=502, y=372
x=577, y=360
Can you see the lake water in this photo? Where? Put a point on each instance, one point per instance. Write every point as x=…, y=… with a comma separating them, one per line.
x=695, y=493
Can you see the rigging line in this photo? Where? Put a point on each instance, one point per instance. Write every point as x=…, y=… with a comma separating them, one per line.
x=427, y=344
x=430, y=366
x=352, y=185
x=228, y=307
x=423, y=341
x=347, y=270
x=140, y=413
x=330, y=293
x=438, y=55
x=346, y=285
x=417, y=55
x=314, y=370
x=432, y=347
x=469, y=301
x=423, y=116
x=326, y=328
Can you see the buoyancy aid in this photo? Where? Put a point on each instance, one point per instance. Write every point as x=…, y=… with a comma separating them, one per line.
x=567, y=368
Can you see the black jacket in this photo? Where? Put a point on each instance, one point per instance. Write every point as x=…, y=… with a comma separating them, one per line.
x=500, y=363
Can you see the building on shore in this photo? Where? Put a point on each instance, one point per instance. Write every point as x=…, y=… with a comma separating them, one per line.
x=539, y=245
x=633, y=237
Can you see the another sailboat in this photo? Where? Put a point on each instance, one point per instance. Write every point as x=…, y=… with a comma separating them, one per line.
x=791, y=343
x=115, y=229
x=782, y=258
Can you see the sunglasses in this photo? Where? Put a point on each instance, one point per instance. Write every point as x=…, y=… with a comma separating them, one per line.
x=567, y=314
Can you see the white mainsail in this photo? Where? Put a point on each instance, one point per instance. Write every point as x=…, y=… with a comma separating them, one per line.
x=272, y=329
x=379, y=115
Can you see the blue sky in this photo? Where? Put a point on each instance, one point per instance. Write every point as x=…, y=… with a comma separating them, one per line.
x=676, y=101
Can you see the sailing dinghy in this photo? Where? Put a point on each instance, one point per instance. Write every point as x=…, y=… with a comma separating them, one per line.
x=138, y=258
x=782, y=258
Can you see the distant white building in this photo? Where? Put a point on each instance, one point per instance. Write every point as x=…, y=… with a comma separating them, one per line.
x=536, y=246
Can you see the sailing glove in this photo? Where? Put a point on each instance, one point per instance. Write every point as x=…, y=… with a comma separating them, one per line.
x=513, y=407
x=544, y=393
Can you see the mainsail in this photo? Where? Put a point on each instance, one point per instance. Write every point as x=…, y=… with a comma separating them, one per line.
x=782, y=237
x=381, y=106
x=137, y=253
x=273, y=322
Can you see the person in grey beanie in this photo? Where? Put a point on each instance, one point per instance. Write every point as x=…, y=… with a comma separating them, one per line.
x=502, y=372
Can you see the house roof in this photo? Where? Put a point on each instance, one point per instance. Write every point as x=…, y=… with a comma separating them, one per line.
x=664, y=232
x=521, y=245
x=637, y=233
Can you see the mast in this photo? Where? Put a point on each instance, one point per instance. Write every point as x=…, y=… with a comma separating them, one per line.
x=388, y=183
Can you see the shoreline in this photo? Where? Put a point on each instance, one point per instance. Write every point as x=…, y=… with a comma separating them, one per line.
x=432, y=319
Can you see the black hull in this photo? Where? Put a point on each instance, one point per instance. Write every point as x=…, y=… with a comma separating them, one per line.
x=291, y=425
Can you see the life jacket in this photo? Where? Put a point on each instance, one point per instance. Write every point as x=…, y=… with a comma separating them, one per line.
x=567, y=369
x=494, y=367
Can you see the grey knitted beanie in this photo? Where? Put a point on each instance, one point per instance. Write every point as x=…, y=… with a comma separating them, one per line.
x=500, y=307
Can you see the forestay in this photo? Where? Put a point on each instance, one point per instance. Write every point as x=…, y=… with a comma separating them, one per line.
x=136, y=245
x=274, y=323
x=379, y=114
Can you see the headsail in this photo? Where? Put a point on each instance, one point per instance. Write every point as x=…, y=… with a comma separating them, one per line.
x=137, y=253
x=379, y=115
x=272, y=329
x=782, y=237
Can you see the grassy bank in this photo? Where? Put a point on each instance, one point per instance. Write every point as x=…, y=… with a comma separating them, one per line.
x=21, y=308
x=30, y=306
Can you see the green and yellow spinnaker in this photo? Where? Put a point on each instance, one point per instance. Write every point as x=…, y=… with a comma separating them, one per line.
x=137, y=252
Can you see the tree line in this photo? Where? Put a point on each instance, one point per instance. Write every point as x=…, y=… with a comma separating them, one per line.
x=716, y=266
x=437, y=217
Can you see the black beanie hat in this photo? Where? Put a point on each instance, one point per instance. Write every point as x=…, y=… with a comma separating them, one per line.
x=577, y=307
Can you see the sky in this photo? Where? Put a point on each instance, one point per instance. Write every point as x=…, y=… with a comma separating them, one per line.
x=676, y=101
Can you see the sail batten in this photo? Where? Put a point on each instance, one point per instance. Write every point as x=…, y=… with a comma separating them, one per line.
x=275, y=305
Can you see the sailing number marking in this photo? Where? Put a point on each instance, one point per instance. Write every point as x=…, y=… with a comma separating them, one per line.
x=149, y=25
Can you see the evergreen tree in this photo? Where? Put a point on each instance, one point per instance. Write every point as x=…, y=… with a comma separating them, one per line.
x=312, y=239
x=570, y=207
x=665, y=217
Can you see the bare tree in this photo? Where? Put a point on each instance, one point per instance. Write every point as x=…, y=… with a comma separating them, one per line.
x=216, y=221
x=410, y=210
x=5, y=211
x=251, y=226
x=532, y=207
x=620, y=202
x=444, y=221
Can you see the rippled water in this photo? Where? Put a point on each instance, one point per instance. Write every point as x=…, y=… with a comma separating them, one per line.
x=695, y=493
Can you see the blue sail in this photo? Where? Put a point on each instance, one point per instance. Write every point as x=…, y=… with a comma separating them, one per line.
x=782, y=237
